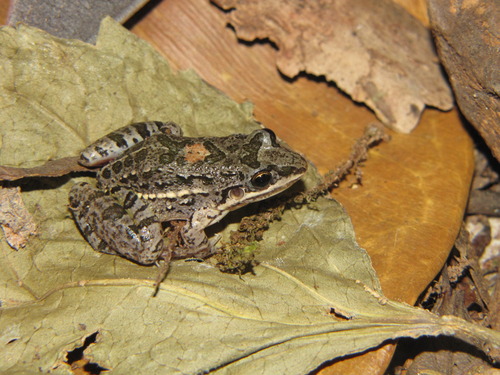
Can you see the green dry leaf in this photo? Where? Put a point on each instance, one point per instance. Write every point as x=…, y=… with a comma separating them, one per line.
x=314, y=297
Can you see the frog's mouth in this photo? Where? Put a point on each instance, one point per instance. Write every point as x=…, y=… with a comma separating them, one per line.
x=240, y=196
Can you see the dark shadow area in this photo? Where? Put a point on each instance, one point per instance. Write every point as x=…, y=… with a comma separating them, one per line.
x=137, y=17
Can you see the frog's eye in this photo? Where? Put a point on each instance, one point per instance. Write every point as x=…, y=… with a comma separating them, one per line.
x=261, y=179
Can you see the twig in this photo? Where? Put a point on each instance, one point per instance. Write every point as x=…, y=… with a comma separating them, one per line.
x=52, y=168
x=172, y=238
x=374, y=134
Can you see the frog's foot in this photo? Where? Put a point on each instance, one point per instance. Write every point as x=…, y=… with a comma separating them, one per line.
x=195, y=243
x=127, y=229
x=200, y=251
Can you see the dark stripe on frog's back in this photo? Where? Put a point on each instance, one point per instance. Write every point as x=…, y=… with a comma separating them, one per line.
x=250, y=152
x=142, y=128
x=124, y=138
x=216, y=154
x=119, y=140
x=131, y=164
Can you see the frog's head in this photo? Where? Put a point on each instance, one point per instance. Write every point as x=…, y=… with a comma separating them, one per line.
x=267, y=168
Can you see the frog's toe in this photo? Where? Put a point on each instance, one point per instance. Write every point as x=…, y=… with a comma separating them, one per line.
x=214, y=240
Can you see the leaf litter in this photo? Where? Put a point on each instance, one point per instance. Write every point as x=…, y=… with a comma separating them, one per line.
x=16, y=221
x=313, y=297
x=375, y=52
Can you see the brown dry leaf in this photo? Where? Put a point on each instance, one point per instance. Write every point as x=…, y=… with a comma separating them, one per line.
x=16, y=221
x=409, y=209
x=374, y=51
x=417, y=8
x=4, y=9
x=467, y=37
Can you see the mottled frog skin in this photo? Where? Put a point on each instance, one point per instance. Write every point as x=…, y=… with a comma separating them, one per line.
x=154, y=175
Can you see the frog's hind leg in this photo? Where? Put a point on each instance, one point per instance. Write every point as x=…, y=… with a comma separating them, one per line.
x=116, y=143
x=122, y=225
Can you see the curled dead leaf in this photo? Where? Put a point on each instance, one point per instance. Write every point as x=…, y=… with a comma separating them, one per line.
x=374, y=51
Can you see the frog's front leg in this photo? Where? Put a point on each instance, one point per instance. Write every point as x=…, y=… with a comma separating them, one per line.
x=120, y=224
x=114, y=144
x=195, y=242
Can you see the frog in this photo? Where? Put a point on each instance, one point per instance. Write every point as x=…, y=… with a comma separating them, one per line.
x=151, y=175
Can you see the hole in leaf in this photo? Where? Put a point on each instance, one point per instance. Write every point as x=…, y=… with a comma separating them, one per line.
x=93, y=368
x=77, y=353
x=338, y=314
x=76, y=358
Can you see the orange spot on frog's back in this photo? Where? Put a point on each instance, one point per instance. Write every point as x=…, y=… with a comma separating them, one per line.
x=195, y=152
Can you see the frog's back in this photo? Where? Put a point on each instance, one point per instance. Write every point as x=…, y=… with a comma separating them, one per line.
x=166, y=164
